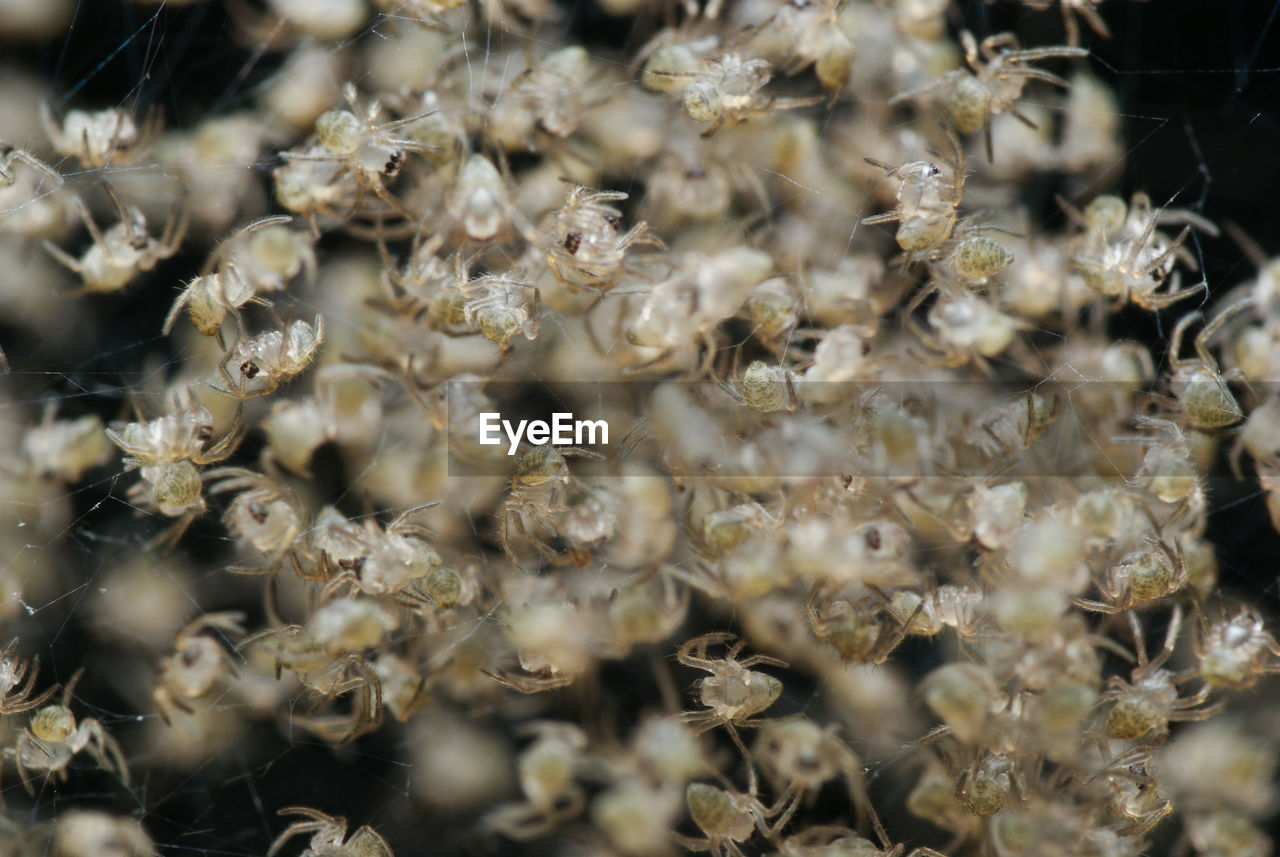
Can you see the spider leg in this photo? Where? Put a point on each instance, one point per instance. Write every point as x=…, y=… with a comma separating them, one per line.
x=382, y=193
x=1021, y=117
x=298, y=828
x=715, y=126
x=168, y=538
x=175, y=227
x=62, y=256
x=180, y=302
x=22, y=772
x=1037, y=74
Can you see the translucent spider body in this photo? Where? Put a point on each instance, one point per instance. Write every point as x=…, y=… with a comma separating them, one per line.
x=263, y=513
x=96, y=138
x=404, y=687
x=498, y=306
x=1225, y=833
x=539, y=488
x=1150, y=702
x=396, y=561
x=327, y=656
x=266, y=361
x=333, y=630
x=1265, y=286
x=261, y=257
x=799, y=757
x=647, y=611
x=948, y=606
x=986, y=785
x=552, y=644
x=733, y=693
x=426, y=287
x=636, y=816
x=369, y=151
x=927, y=200
x=196, y=664
x=828, y=841
x=168, y=453
x=1204, y=399
x=590, y=523
x=126, y=249
x=968, y=258
x=1154, y=571
x=547, y=770
x=672, y=57
x=1136, y=798
x=810, y=35
x=53, y=738
x=729, y=88
x=1169, y=470
x=586, y=248
x=998, y=71
x=329, y=836
x=548, y=99
x=90, y=833
x=478, y=209
x=721, y=532
x=174, y=490
x=12, y=670
x=65, y=449
x=209, y=159
x=764, y=387
x=963, y=696
x=1234, y=653
x=728, y=818
x=312, y=184
x=963, y=328
x=679, y=316
x=1004, y=428
x=697, y=186
x=773, y=310
x=1122, y=256
x=183, y=434
x=861, y=631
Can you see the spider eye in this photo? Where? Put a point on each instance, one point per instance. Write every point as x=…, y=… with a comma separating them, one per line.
x=613, y=221
x=249, y=369
x=873, y=539
x=572, y=241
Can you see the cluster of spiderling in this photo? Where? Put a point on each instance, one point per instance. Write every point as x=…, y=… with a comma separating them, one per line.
x=832, y=436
